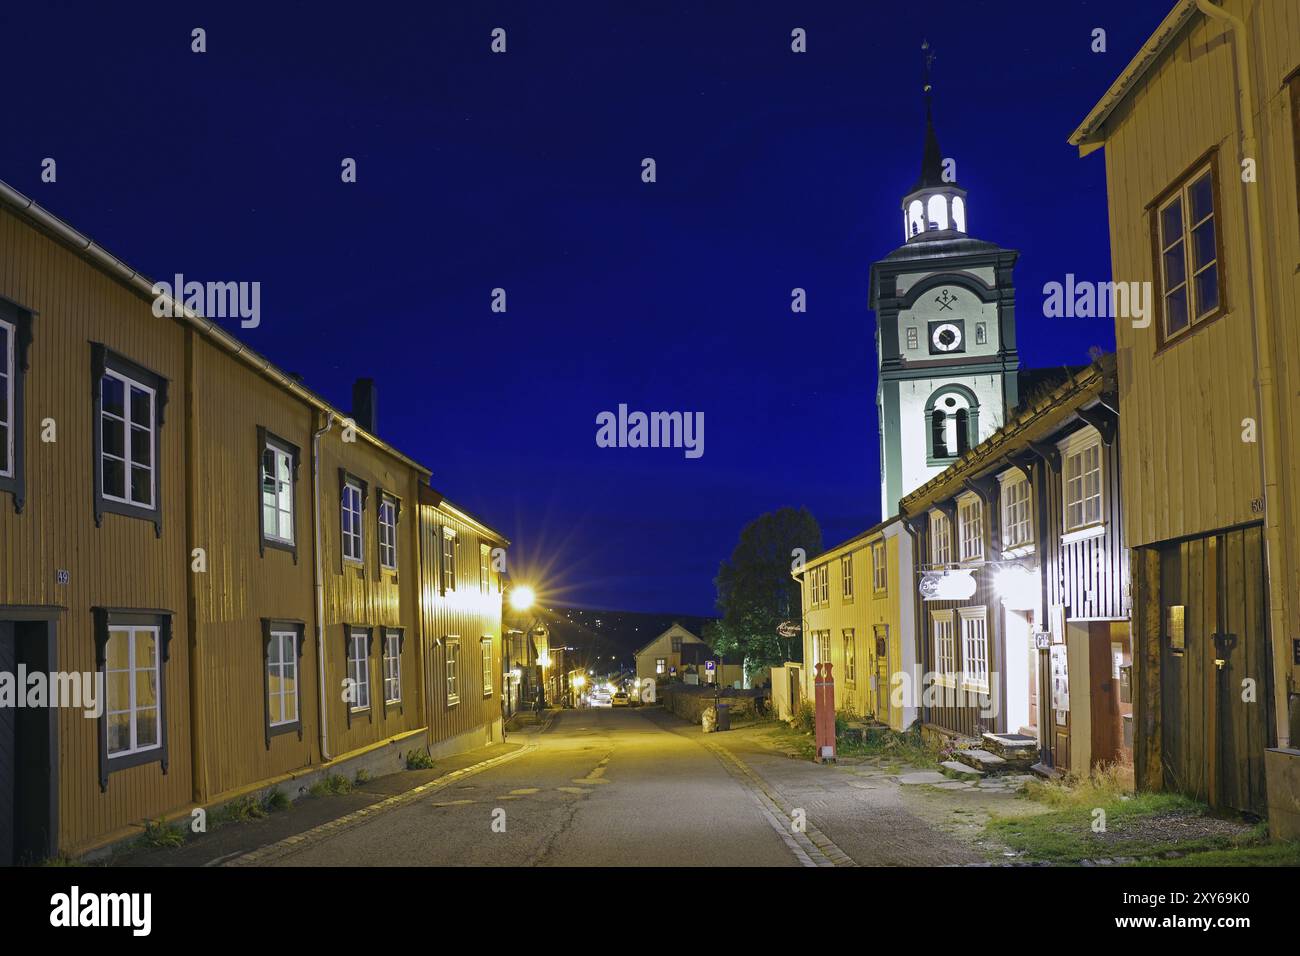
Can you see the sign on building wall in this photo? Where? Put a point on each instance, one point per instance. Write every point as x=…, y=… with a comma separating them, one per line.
x=1060, y=682
x=955, y=585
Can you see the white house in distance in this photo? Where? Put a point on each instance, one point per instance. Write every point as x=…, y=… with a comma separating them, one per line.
x=677, y=649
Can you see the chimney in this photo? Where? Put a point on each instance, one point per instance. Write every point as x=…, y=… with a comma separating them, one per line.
x=363, y=404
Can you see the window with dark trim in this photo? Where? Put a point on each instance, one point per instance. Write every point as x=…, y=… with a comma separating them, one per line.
x=450, y=543
x=453, y=669
x=393, y=639
x=1188, y=246
x=128, y=417
x=282, y=677
x=352, y=505
x=278, y=477
x=131, y=653
x=485, y=650
x=358, y=663
x=484, y=568
x=15, y=339
x=389, y=508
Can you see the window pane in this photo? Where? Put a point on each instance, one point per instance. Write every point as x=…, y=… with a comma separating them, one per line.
x=1207, y=291
x=111, y=438
x=4, y=447
x=1171, y=223
x=141, y=493
x=1176, y=311
x=144, y=649
x=1201, y=198
x=141, y=405
x=146, y=688
x=1175, y=266
x=141, y=446
x=1203, y=249
x=112, y=396
x=284, y=473
x=118, y=687
x=119, y=733
x=114, y=478
x=146, y=729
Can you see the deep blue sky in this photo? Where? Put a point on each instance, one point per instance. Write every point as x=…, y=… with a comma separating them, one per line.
x=522, y=171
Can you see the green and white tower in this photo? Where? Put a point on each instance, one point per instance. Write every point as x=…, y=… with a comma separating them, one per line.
x=945, y=331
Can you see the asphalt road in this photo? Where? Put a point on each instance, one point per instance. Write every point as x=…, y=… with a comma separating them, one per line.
x=605, y=787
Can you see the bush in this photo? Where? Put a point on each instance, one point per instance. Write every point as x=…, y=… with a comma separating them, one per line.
x=804, y=720
x=275, y=800
x=334, y=784
x=247, y=807
x=160, y=833
x=418, y=760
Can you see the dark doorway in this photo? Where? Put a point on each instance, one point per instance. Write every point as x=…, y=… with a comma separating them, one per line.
x=28, y=755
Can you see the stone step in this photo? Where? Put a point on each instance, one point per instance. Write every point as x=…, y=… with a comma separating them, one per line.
x=981, y=760
x=1011, y=746
x=952, y=768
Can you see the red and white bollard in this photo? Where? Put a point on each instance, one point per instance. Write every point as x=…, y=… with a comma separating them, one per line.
x=824, y=712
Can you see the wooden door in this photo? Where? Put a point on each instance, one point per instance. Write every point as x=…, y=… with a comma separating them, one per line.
x=884, y=688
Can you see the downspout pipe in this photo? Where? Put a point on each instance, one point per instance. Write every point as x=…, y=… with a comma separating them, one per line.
x=320, y=588
x=1266, y=387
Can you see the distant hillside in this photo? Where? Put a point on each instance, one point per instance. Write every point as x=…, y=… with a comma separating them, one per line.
x=606, y=640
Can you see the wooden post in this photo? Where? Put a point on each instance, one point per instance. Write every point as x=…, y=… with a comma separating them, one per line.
x=1148, y=750
x=824, y=683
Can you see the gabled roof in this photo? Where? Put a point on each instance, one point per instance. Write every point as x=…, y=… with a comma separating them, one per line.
x=673, y=627
x=1089, y=135
x=100, y=258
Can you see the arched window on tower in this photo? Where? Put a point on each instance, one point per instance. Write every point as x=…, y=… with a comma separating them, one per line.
x=959, y=213
x=915, y=218
x=952, y=419
x=937, y=211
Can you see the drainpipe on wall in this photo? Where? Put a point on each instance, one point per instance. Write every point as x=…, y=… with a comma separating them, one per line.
x=1266, y=389
x=320, y=587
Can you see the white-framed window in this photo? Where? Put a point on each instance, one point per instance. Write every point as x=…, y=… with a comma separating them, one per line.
x=359, y=669
x=822, y=647
x=945, y=649
x=1188, y=265
x=282, y=678
x=353, y=541
x=940, y=539
x=1081, y=475
x=485, y=650
x=448, y=559
x=879, y=568
x=387, y=533
x=975, y=647
x=661, y=665
x=820, y=585
x=484, y=568
x=850, y=656
x=970, y=522
x=392, y=666
x=1017, y=511
x=453, y=670
x=846, y=577
x=277, y=493
x=133, y=708
x=8, y=334
x=127, y=468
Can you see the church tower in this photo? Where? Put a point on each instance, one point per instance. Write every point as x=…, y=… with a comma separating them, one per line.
x=945, y=331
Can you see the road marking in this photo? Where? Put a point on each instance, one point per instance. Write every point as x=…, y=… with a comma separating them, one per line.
x=525, y=791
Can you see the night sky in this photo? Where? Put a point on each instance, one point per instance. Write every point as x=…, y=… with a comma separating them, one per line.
x=523, y=171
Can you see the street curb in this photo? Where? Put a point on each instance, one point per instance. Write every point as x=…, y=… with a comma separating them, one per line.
x=301, y=841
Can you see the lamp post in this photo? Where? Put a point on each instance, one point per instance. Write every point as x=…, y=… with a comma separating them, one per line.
x=522, y=598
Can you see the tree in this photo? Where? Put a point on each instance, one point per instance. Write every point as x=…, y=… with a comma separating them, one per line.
x=756, y=592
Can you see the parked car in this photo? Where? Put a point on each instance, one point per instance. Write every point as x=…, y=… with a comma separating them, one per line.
x=619, y=699
x=599, y=698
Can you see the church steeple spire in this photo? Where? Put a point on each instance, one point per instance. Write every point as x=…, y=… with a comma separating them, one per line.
x=936, y=204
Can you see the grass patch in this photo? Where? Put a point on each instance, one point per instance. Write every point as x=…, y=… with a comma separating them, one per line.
x=418, y=760
x=1138, y=825
x=333, y=785
x=907, y=748
x=60, y=861
x=241, y=810
x=363, y=776
x=275, y=800
x=1263, y=854
x=159, y=833
x=1106, y=785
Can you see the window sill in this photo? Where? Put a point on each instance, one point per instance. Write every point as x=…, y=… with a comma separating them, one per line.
x=1084, y=533
x=359, y=710
x=290, y=727
x=1020, y=551
x=945, y=682
x=453, y=701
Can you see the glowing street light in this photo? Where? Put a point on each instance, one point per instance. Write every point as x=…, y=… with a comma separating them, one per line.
x=522, y=597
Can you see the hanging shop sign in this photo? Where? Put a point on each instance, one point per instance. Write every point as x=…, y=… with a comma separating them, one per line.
x=957, y=584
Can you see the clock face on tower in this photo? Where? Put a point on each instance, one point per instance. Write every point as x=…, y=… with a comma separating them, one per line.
x=947, y=337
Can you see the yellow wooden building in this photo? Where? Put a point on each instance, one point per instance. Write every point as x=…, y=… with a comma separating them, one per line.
x=857, y=615
x=268, y=589
x=1201, y=134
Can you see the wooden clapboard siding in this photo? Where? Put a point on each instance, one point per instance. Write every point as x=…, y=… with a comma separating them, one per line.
x=467, y=612
x=123, y=563
x=245, y=583
x=1089, y=577
x=366, y=595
